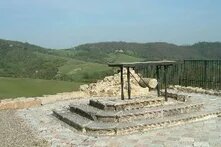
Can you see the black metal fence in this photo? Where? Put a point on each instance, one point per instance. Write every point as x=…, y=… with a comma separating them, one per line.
x=196, y=73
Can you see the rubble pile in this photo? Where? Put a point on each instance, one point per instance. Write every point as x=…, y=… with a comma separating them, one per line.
x=110, y=86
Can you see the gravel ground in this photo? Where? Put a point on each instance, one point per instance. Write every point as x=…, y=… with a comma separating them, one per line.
x=50, y=128
x=15, y=133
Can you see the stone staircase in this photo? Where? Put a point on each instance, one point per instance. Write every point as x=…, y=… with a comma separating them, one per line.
x=114, y=116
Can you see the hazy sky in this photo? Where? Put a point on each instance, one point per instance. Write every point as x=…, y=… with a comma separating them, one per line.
x=67, y=23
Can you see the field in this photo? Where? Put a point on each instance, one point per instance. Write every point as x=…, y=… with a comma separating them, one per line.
x=19, y=87
x=85, y=71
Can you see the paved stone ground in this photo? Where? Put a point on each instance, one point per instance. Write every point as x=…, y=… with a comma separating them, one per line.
x=198, y=134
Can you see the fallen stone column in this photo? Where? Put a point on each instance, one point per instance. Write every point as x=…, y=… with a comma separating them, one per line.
x=148, y=82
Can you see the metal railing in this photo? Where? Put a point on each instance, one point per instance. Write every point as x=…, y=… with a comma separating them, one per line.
x=196, y=73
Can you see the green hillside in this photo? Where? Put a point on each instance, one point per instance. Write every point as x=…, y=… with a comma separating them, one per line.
x=23, y=60
x=88, y=62
x=149, y=51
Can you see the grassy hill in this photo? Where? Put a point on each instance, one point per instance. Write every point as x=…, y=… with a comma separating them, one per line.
x=149, y=51
x=88, y=62
x=23, y=60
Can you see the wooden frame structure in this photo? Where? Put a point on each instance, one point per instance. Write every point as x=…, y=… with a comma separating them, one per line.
x=164, y=63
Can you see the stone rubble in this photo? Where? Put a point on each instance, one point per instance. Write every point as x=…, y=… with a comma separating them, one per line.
x=110, y=86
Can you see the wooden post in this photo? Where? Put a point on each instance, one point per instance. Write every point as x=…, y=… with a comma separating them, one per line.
x=122, y=83
x=165, y=82
x=158, y=79
x=128, y=82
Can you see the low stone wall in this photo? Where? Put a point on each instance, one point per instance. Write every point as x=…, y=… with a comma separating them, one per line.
x=196, y=90
x=21, y=103
x=62, y=96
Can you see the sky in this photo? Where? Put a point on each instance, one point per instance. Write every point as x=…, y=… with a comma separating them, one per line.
x=68, y=23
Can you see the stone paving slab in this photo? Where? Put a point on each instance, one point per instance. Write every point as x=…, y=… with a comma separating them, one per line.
x=203, y=133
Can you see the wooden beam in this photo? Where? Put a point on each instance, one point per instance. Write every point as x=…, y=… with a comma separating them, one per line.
x=142, y=64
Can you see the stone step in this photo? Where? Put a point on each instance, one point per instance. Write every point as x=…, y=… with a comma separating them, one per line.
x=80, y=123
x=96, y=114
x=74, y=120
x=135, y=103
x=101, y=128
x=182, y=119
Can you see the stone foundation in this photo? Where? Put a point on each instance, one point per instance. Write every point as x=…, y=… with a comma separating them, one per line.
x=115, y=116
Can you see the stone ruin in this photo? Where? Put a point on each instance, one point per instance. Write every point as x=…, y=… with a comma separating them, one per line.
x=110, y=86
x=112, y=116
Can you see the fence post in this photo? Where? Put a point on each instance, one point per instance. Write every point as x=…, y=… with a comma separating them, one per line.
x=158, y=80
x=165, y=82
x=205, y=74
x=185, y=72
x=180, y=76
